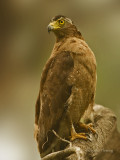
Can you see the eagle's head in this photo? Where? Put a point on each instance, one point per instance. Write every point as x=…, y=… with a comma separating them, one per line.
x=63, y=27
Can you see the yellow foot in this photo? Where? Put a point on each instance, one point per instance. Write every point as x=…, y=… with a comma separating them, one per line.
x=87, y=127
x=79, y=136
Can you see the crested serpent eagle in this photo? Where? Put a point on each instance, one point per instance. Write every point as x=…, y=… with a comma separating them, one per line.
x=67, y=87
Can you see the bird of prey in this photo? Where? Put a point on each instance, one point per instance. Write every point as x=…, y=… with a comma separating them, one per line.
x=67, y=85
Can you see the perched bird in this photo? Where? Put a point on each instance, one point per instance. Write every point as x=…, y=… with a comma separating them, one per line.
x=67, y=86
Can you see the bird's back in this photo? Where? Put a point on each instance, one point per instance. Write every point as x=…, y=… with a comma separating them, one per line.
x=54, y=92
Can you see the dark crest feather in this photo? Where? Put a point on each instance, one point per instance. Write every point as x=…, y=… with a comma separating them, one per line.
x=57, y=17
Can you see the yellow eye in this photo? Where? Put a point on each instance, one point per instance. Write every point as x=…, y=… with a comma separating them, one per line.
x=61, y=22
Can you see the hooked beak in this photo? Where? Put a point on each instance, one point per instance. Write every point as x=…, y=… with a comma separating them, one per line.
x=50, y=27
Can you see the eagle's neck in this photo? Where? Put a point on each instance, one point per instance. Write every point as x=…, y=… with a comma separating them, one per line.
x=66, y=33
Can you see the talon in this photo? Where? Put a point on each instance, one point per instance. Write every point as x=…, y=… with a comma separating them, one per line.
x=80, y=136
x=91, y=125
x=74, y=135
x=87, y=135
x=87, y=128
x=91, y=130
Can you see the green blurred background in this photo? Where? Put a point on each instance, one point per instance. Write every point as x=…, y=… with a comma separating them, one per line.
x=25, y=46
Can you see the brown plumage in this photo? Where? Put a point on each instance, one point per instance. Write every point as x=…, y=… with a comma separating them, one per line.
x=68, y=83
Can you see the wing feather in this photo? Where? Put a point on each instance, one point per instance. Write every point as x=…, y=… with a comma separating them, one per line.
x=54, y=93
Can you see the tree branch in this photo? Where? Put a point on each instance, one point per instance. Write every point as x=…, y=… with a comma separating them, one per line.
x=105, y=144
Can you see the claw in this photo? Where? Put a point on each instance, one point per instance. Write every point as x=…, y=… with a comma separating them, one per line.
x=83, y=136
x=87, y=128
x=74, y=135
